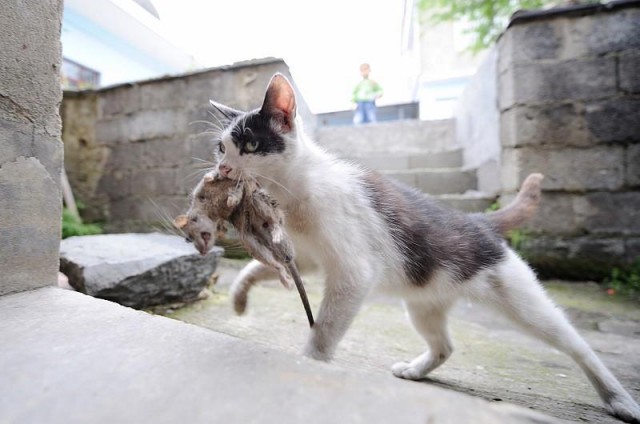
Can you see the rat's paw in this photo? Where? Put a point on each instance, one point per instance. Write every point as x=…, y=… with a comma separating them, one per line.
x=277, y=235
x=287, y=280
x=407, y=371
x=624, y=408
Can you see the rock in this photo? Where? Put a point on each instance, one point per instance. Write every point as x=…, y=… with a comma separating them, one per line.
x=136, y=270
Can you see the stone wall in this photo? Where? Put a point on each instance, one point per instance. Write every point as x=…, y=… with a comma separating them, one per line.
x=388, y=137
x=30, y=147
x=477, y=121
x=133, y=152
x=569, y=99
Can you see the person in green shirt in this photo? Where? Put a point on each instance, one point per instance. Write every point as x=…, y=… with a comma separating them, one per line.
x=364, y=96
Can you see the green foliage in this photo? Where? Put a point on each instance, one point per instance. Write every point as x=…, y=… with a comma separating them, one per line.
x=517, y=239
x=493, y=207
x=73, y=226
x=626, y=281
x=488, y=18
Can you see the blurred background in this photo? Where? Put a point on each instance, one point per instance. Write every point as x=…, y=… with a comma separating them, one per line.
x=108, y=42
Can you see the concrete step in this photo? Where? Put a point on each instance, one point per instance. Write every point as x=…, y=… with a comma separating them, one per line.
x=437, y=180
x=404, y=161
x=471, y=201
x=388, y=137
x=70, y=358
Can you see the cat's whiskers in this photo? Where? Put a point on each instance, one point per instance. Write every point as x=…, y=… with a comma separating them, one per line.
x=165, y=220
x=199, y=173
x=220, y=123
x=205, y=162
x=254, y=174
x=209, y=123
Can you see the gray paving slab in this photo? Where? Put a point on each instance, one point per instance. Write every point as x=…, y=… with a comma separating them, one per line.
x=70, y=358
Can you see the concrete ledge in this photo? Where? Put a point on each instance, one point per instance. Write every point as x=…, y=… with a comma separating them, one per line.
x=70, y=358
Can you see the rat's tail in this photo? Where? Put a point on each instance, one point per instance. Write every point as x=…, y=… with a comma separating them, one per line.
x=521, y=208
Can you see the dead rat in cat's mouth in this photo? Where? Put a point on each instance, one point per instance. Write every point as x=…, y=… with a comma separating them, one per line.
x=258, y=220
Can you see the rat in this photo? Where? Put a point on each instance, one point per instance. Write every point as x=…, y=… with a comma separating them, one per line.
x=258, y=220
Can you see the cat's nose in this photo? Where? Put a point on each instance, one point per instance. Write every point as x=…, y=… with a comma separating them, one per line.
x=206, y=236
x=225, y=170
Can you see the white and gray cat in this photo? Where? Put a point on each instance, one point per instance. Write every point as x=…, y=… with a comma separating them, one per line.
x=369, y=232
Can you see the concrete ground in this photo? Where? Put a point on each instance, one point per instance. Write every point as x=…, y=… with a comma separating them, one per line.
x=492, y=359
x=68, y=358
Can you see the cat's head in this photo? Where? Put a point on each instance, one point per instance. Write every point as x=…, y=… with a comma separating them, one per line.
x=258, y=142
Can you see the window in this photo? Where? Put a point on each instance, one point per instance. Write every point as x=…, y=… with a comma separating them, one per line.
x=78, y=77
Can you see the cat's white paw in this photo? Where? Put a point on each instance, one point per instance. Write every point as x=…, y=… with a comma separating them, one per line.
x=239, y=303
x=407, y=371
x=624, y=408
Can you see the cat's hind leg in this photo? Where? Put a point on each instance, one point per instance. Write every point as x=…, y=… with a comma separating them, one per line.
x=517, y=293
x=430, y=321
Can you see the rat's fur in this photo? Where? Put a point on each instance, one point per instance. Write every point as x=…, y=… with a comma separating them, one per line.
x=256, y=217
x=369, y=232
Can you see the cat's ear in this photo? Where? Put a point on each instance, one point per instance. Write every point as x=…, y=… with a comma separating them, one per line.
x=227, y=112
x=180, y=221
x=280, y=102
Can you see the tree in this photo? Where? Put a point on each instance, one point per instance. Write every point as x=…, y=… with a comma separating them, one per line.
x=488, y=18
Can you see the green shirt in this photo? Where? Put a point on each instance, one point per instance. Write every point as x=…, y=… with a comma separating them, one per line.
x=366, y=91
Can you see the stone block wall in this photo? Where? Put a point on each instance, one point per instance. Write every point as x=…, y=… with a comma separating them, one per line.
x=569, y=100
x=30, y=147
x=388, y=137
x=133, y=152
x=477, y=125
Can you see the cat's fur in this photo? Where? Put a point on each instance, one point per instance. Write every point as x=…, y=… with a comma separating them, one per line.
x=369, y=232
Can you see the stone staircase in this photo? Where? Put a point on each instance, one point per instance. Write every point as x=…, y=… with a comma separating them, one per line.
x=420, y=153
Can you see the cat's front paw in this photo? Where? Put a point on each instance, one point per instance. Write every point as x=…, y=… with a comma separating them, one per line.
x=407, y=371
x=239, y=299
x=624, y=408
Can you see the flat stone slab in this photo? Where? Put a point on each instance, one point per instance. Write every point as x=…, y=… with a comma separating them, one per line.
x=69, y=358
x=137, y=270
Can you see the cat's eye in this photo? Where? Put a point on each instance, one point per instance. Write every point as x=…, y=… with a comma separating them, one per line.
x=194, y=219
x=201, y=197
x=221, y=147
x=251, y=146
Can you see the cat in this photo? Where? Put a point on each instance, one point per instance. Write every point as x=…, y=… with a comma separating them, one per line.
x=370, y=232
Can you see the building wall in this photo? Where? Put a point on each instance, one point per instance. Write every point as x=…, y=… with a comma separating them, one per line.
x=477, y=121
x=569, y=100
x=30, y=147
x=446, y=66
x=134, y=152
x=121, y=40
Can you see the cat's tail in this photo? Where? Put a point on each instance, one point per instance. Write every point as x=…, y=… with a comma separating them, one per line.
x=521, y=209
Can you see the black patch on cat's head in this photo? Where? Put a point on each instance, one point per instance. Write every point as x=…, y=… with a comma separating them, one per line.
x=256, y=127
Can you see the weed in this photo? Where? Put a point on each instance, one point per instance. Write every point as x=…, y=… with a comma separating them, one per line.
x=625, y=281
x=517, y=240
x=73, y=226
x=493, y=207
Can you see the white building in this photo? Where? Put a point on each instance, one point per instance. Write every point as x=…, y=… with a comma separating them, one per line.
x=106, y=42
